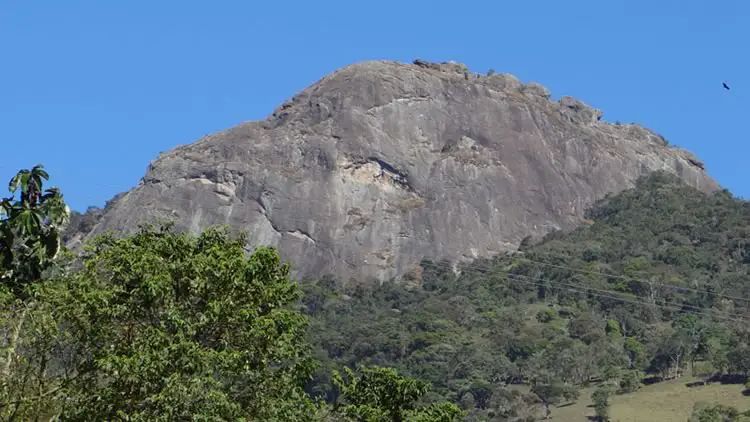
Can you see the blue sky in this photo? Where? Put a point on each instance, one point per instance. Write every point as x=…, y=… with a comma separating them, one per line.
x=94, y=90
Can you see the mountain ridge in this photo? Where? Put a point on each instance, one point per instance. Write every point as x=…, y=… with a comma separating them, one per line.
x=380, y=164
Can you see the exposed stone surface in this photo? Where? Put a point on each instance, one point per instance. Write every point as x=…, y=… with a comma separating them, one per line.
x=381, y=164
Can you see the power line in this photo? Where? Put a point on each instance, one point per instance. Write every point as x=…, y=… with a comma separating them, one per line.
x=623, y=277
x=662, y=306
x=487, y=270
x=701, y=310
x=590, y=291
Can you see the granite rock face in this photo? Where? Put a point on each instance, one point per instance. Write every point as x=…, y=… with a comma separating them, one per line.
x=381, y=164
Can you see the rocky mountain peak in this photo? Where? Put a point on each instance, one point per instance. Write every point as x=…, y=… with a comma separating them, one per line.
x=381, y=164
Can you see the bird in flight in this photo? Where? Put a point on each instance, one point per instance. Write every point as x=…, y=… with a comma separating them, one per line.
x=725, y=85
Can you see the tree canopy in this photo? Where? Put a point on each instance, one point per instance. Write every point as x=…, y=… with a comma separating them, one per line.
x=652, y=287
x=163, y=325
x=31, y=220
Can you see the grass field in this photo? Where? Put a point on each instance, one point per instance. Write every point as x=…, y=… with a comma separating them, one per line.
x=669, y=401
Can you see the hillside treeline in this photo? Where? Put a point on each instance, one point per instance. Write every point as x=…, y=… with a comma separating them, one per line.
x=653, y=286
x=167, y=325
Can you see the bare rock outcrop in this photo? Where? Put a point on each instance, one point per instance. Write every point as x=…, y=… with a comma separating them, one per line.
x=381, y=164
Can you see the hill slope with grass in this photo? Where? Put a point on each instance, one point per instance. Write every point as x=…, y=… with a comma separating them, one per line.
x=653, y=288
x=668, y=401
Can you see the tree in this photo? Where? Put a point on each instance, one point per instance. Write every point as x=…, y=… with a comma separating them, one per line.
x=714, y=347
x=554, y=393
x=739, y=358
x=30, y=227
x=695, y=333
x=703, y=412
x=636, y=353
x=547, y=315
x=380, y=394
x=587, y=327
x=482, y=394
x=613, y=328
x=629, y=382
x=600, y=397
x=675, y=347
x=169, y=326
x=31, y=219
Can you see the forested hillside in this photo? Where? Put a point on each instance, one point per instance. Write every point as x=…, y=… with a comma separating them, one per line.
x=167, y=325
x=654, y=286
x=163, y=326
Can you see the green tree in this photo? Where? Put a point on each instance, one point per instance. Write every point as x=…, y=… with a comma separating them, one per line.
x=30, y=226
x=600, y=397
x=379, y=394
x=32, y=378
x=630, y=381
x=694, y=332
x=703, y=412
x=587, y=327
x=739, y=358
x=554, y=393
x=485, y=324
x=675, y=347
x=714, y=347
x=613, y=328
x=31, y=219
x=171, y=326
x=547, y=315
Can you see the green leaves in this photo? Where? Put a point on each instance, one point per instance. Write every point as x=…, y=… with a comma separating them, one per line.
x=29, y=228
x=381, y=394
x=703, y=412
x=600, y=397
x=20, y=179
x=168, y=312
x=668, y=250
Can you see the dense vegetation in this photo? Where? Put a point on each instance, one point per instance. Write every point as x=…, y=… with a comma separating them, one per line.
x=718, y=413
x=163, y=325
x=653, y=287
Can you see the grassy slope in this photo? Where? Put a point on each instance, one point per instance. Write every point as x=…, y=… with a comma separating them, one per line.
x=665, y=402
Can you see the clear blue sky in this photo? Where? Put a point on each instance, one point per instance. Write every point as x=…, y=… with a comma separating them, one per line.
x=94, y=90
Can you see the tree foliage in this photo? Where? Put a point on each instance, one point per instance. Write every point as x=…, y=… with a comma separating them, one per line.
x=380, y=394
x=164, y=325
x=703, y=412
x=31, y=219
x=168, y=314
x=167, y=326
x=646, y=289
x=600, y=398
